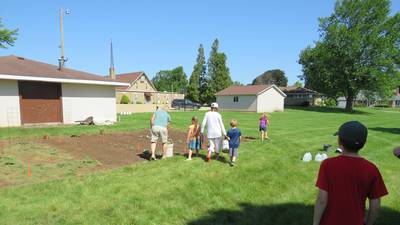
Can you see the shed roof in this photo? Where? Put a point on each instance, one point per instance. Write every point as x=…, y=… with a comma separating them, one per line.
x=248, y=90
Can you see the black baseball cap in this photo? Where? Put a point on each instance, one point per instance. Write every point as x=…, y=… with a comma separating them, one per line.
x=353, y=133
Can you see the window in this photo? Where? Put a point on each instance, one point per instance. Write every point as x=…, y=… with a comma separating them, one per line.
x=235, y=98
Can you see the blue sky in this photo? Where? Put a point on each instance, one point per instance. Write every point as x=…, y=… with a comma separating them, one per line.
x=156, y=35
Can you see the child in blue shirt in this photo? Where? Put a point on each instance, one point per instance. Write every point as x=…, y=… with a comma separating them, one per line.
x=234, y=136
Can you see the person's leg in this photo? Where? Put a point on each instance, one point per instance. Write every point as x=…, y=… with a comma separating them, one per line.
x=198, y=144
x=230, y=155
x=262, y=134
x=191, y=147
x=190, y=154
x=211, y=148
x=218, y=146
x=164, y=147
x=154, y=138
x=235, y=154
x=266, y=133
x=153, y=150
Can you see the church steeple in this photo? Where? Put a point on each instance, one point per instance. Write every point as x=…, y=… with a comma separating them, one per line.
x=112, y=69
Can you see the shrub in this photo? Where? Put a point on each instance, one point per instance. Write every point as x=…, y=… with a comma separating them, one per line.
x=125, y=100
x=330, y=102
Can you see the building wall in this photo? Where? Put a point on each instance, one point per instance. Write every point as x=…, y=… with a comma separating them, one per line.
x=142, y=84
x=244, y=103
x=9, y=103
x=270, y=101
x=81, y=101
x=138, y=97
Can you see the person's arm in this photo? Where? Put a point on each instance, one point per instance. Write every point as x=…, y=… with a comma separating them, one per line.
x=320, y=205
x=169, y=120
x=188, y=135
x=222, y=126
x=203, y=124
x=152, y=120
x=374, y=206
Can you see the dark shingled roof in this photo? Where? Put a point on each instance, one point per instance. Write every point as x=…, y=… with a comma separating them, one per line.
x=14, y=65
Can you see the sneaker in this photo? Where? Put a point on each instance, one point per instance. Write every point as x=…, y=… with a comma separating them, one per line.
x=188, y=159
x=232, y=163
x=208, y=158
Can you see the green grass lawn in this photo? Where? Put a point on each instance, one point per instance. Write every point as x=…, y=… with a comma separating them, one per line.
x=269, y=185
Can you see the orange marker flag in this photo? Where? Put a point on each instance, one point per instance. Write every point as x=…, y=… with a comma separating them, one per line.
x=29, y=170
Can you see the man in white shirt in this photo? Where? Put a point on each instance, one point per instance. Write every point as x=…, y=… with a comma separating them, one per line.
x=215, y=130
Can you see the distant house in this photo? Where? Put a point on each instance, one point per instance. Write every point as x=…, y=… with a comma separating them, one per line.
x=33, y=92
x=375, y=99
x=299, y=96
x=142, y=91
x=252, y=98
x=395, y=101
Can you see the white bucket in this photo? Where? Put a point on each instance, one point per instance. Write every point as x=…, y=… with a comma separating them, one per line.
x=170, y=150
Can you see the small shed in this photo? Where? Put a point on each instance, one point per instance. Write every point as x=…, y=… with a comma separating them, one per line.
x=33, y=92
x=252, y=98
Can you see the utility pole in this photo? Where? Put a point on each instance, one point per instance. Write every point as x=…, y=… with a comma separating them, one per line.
x=62, y=58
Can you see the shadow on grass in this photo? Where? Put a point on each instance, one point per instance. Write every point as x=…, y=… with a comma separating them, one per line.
x=281, y=214
x=327, y=110
x=385, y=129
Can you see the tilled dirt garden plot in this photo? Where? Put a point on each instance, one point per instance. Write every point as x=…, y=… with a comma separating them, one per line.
x=113, y=149
x=33, y=160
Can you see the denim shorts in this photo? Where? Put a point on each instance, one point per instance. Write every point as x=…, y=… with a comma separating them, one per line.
x=233, y=152
x=194, y=144
x=263, y=128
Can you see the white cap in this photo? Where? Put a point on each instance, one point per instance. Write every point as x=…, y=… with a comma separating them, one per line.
x=214, y=105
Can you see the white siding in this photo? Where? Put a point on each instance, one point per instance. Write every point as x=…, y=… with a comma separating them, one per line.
x=270, y=101
x=9, y=103
x=244, y=103
x=81, y=101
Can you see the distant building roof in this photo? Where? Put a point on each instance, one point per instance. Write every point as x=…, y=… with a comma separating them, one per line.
x=128, y=77
x=295, y=89
x=131, y=78
x=247, y=90
x=19, y=68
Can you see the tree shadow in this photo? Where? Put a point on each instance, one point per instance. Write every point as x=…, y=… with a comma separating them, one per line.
x=385, y=129
x=327, y=110
x=280, y=214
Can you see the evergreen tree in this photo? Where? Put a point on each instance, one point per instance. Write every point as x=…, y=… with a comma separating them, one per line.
x=218, y=73
x=198, y=74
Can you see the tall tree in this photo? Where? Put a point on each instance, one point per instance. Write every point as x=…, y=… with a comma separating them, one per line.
x=199, y=71
x=298, y=84
x=276, y=77
x=237, y=83
x=171, y=80
x=359, y=49
x=7, y=37
x=217, y=72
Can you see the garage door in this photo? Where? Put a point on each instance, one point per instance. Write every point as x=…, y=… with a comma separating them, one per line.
x=40, y=102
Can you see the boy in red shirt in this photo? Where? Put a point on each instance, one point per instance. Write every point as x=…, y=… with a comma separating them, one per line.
x=346, y=181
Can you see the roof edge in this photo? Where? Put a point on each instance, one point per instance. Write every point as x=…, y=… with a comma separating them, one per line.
x=61, y=80
x=275, y=87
